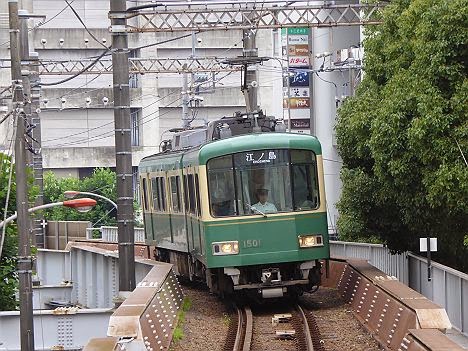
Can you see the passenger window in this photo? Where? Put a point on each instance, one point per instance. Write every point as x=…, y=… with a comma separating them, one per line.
x=162, y=197
x=191, y=189
x=186, y=194
x=197, y=189
x=175, y=194
x=155, y=194
x=145, y=194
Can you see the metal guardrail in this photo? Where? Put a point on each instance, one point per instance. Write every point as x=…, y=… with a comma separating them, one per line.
x=110, y=234
x=448, y=287
x=376, y=254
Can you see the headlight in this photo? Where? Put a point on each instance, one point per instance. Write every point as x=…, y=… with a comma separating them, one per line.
x=310, y=240
x=225, y=248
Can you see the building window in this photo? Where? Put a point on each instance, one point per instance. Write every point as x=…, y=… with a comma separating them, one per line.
x=135, y=120
x=133, y=81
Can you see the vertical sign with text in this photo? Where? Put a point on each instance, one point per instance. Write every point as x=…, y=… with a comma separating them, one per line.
x=296, y=85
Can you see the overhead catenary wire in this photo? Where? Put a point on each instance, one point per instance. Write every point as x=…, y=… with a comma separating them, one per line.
x=85, y=27
x=106, y=124
x=40, y=24
x=150, y=104
x=111, y=132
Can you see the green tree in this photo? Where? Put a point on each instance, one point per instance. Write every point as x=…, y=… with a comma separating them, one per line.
x=404, y=136
x=9, y=253
x=8, y=276
x=101, y=182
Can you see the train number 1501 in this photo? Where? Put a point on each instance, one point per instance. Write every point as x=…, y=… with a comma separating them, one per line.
x=252, y=243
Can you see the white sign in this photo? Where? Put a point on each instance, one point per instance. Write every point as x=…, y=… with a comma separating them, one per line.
x=299, y=92
x=298, y=39
x=423, y=244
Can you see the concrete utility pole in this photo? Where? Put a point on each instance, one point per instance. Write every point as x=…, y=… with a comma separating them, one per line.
x=24, y=245
x=123, y=148
x=185, y=101
x=25, y=73
x=250, y=50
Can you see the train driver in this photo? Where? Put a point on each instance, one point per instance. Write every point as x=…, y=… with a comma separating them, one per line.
x=263, y=205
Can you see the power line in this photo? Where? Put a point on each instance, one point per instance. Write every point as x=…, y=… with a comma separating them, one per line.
x=143, y=107
x=111, y=132
x=84, y=25
x=109, y=123
x=40, y=24
x=78, y=73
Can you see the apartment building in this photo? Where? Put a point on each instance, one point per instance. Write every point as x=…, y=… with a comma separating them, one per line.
x=77, y=116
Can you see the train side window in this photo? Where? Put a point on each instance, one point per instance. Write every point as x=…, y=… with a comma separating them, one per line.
x=221, y=186
x=186, y=193
x=162, y=197
x=191, y=191
x=145, y=194
x=175, y=194
x=155, y=193
x=305, y=180
x=197, y=190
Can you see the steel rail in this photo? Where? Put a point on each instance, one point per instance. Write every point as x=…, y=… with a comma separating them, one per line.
x=244, y=329
x=307, y=334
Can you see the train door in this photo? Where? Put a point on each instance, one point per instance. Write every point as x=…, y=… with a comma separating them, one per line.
x=154, y=203
x=176, y=216
x=198, y=213
x=188, y=221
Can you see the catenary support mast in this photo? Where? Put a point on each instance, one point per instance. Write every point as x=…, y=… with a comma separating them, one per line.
x=123, y=149
x=24, y=244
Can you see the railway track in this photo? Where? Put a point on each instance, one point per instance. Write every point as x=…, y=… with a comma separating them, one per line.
x=289, y=327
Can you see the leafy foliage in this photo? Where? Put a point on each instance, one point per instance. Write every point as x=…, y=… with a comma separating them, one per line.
x=8, y=276
x=102, y=182
x=404, y=136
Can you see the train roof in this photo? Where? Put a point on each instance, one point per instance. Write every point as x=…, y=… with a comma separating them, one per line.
x=253, y=141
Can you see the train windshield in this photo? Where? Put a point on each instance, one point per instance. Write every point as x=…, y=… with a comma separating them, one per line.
x=263, y=182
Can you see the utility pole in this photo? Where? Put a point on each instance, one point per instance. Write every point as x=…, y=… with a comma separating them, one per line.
x=123, y=148
x=185, y=101
x=250, y=50
x=185, y=89
x=24, y=245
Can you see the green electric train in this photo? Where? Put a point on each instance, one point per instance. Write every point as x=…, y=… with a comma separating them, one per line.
x=239, y=204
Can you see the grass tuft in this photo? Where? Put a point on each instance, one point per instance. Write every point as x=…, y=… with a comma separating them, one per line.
x=179, y=330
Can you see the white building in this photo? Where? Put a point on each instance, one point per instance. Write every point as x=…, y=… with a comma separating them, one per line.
x=77, y=116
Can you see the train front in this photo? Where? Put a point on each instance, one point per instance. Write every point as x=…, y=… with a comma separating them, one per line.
x=267, y=228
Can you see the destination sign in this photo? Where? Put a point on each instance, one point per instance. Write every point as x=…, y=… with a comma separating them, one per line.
x=260, y=157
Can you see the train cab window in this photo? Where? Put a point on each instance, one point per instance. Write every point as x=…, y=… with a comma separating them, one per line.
x=221, y=186
x=145, y=194
x=263, y=182
x=175, y=194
